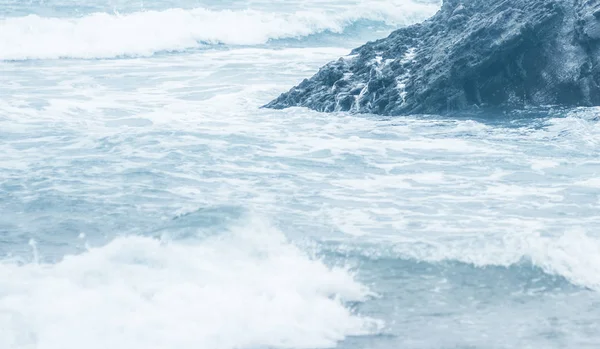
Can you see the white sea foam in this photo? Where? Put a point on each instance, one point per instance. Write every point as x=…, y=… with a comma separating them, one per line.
x=104, y=35
x=573, y=255
x=249, y=288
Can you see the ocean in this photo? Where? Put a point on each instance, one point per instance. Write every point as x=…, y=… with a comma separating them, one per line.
x=147, y=201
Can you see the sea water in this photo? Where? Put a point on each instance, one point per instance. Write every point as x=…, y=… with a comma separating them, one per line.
x=148, y=202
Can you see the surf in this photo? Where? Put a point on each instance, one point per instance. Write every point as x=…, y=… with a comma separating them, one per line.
x=144, y=33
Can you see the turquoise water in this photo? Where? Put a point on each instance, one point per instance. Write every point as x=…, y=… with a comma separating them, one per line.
x=146, y=201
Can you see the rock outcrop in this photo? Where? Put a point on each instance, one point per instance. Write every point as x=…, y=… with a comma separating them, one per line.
x=471, y=54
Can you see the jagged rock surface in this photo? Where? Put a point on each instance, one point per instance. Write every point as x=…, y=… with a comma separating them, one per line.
x=471, y=54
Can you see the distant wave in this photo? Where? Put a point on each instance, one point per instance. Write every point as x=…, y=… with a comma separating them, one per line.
x=104, y=35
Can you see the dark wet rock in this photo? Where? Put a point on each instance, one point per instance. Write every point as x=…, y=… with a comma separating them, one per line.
x=471, y=54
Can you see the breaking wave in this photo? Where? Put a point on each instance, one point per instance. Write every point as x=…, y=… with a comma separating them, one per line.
x=247, y=288
x=104, y=35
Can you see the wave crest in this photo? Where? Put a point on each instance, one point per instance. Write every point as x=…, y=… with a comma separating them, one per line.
x=572, y=255
x=103, y=35
x=247, y=288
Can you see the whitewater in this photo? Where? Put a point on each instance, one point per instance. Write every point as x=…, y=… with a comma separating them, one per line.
x=147, y=201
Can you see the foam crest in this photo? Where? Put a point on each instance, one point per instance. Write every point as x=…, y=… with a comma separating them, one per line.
x=103, y=35
x=246, y=289
x=574, y=255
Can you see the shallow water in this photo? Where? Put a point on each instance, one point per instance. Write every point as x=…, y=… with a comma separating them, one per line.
x=146, y=201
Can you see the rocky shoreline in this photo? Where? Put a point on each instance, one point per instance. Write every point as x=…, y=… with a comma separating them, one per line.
x=472, y=54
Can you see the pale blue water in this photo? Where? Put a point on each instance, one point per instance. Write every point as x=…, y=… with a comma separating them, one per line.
x=146, y=201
